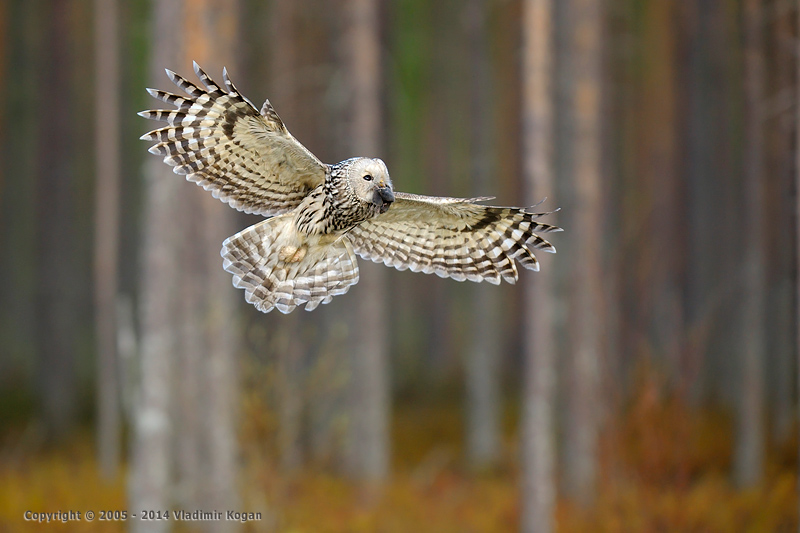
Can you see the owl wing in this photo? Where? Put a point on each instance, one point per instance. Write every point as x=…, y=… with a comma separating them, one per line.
x=453, y=237
x=219, y=140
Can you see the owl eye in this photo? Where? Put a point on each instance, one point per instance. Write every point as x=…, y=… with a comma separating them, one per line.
x=368, y=177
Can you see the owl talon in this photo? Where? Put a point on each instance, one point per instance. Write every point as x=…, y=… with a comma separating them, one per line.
x=292, y=254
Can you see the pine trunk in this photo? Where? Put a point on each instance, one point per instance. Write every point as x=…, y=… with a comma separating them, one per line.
x=749, y=454
x=106, y=253
x=797, y=234
x=56, y=300
x=581, y=430
x=284, y=62
x=208, y=390
x=483, y=358
x=368, y=440
x=538, y=433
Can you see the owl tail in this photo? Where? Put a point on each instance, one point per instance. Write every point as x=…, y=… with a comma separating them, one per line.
x=275, y=273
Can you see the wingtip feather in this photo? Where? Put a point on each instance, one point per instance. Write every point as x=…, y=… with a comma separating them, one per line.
x=227, y=81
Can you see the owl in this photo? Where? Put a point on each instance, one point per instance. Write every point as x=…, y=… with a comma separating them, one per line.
x=319, y=217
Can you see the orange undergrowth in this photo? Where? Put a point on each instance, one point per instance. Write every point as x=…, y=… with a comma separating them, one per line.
x=663, y=467
x=66, y=479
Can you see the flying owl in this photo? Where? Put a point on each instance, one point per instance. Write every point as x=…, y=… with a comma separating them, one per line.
x=319, y=216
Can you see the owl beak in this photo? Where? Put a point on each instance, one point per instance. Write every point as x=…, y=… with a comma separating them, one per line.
x=386, y=194
x=383, y=198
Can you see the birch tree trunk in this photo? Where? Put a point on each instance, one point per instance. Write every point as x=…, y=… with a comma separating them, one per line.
x=538, y=434
x=368, y=439
x=106, y=253
x=151, y=462
x=749, y=453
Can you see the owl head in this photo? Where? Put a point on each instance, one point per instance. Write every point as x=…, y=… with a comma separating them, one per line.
x=369, y=180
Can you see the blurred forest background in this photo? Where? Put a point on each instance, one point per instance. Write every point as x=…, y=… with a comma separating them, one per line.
x=644, y=380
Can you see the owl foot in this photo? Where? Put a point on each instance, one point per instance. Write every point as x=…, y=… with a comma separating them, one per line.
x=291, y=254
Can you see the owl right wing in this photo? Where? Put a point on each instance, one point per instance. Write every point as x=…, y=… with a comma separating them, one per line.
x=220, y=141
x=453, y=237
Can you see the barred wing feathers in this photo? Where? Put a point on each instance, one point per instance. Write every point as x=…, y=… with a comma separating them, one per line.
x=219, y=140
x=453, y=237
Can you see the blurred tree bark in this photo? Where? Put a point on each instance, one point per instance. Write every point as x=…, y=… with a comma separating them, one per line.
x=661, y=296
x=56, y=301
x=19, y=368
x=4, y=52
x=797, y=232
x=701, y=301
x=538, y=432
x=749, y=454
x=586, y=318
x=7, y=364
x=483, y=357
x=152, y=459
x=780, y=177
x=106, y=253
x=208, y=391
x=186, y=444
x=368, y=438
x=284, y=63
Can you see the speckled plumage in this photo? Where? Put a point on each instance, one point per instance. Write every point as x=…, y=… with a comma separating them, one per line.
x=321, y=216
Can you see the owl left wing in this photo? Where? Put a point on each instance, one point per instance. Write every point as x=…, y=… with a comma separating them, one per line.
x=453, y=237
x=219, y=140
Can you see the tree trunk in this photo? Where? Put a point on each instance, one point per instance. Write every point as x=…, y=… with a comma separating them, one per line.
x=661, y=164
x=152, y=464
x=749, y=454
x=55, y=301
x=483, y=357
x=581, y=430
x=701, y=178
x=211, y=339
x=4, y=40
x=797, y=233
x=368, y=439
x=780, y=302
x=106, y=254
x=186, y=425
x=538, y=434
x=284, y=59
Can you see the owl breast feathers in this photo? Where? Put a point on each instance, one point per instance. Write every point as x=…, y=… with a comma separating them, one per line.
x=319, y=217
